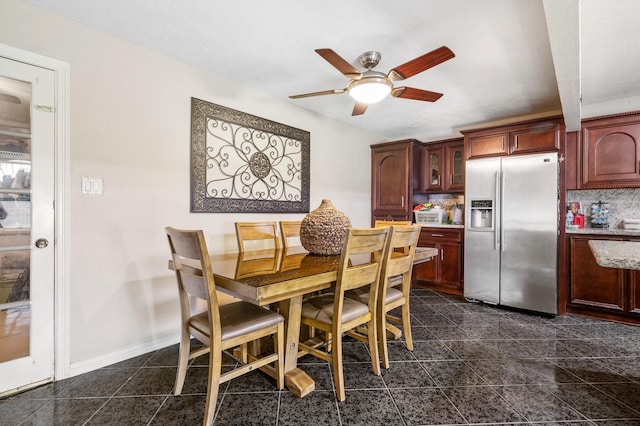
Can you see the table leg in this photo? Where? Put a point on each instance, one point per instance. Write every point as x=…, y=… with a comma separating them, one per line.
x=296, y=380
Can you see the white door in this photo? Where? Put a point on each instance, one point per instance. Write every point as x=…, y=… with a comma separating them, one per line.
x=27, y=160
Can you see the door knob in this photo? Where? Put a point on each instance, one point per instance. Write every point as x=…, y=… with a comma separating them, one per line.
x=42, y=242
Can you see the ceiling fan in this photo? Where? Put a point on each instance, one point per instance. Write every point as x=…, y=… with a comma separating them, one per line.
x=372, y=86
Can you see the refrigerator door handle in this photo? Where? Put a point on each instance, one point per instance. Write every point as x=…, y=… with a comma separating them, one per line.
x=496, y=235
x=503, y=179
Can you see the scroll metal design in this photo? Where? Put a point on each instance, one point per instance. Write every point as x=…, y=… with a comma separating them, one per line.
x=244, y=163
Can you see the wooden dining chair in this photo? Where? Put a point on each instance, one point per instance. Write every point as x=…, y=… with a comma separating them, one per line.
x=393, y=281
x=257, y=232
x=290, y=229
x=398, y=262
x=334, y=315
x=218, y=328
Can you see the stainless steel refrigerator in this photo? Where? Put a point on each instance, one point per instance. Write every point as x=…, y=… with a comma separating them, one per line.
x=511, y=231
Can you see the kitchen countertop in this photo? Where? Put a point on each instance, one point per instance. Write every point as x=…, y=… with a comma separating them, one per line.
x=445, y=225
x=616, y=254
x=605, y=231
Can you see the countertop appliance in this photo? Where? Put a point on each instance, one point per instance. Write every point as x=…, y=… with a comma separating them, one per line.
x=510, y=245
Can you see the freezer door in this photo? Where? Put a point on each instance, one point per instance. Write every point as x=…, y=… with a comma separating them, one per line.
x=481, y=246
x=529, y=232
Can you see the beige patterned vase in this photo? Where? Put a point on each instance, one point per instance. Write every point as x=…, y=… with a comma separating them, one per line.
x=324, y=229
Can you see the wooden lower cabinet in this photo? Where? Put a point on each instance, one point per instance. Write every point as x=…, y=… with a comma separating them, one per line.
x=607, y=293
x=445, y=272
x=634, y=292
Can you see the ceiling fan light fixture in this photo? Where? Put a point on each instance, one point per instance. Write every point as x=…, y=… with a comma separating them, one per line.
x=370, y=90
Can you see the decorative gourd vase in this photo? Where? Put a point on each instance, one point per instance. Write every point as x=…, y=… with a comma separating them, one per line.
x=324, y=230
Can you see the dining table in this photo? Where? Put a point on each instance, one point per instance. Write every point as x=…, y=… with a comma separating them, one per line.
x=284, y=276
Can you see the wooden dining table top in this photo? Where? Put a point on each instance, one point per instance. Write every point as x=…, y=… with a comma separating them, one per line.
x=271, y=275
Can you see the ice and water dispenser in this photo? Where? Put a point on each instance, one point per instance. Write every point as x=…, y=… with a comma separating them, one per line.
x=482, y=214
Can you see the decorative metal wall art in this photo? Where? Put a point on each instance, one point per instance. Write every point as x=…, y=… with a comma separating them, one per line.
x=241, y=163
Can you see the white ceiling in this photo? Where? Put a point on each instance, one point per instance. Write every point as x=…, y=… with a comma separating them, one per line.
x=503, y=70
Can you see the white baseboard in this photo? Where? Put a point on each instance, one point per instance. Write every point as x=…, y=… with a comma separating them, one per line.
x=121, y=355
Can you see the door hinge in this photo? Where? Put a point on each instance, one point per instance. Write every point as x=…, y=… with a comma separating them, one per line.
x=44, y=108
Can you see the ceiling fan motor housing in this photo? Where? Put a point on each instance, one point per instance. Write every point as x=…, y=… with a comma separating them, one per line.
x=370, y=59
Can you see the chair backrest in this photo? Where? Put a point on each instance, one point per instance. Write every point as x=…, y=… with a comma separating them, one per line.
x=380, y=223
x=401, y=248
x=255, y=231
x=194, y=274
x=360, y=264
x=289, y=229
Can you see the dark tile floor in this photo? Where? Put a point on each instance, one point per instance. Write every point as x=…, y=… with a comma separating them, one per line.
x=472, y=364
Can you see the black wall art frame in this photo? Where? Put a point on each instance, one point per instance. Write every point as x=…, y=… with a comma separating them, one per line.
x=241, y=163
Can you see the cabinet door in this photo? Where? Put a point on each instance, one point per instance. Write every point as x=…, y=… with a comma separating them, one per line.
x=433, y=169
x=610, y=155
x=450, y=265
x=592, y=285
x=390, y=179
x=426, y=271
x=487, y=145
x=634, y=292
x=455, y=167
x=543, y=139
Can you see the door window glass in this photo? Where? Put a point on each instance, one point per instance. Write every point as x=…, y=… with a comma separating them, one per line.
x=15, y=217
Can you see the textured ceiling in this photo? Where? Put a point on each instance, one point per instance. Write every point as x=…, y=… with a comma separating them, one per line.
x=503, y=69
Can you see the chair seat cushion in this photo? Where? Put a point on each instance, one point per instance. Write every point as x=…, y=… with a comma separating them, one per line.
x=362, y=295
x=237, y=318
x=320, y=308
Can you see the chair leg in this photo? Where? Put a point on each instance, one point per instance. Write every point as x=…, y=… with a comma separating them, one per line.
x=213, y=385
x=406, y=322
x=373, y=346
x=183, y=361
x=279, y=346
x=382, y=338
x=338, y=371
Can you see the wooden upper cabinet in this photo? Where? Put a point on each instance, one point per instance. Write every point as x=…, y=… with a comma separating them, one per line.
x=536, y=139
x=611, y=153
x=522, y=138
x=443, y=166
x=433, y=167
x=487, y=145
x=454, y=153
x=392, y=179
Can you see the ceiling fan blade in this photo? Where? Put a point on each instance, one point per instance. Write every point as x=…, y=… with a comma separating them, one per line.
x=417, y=94
x=359, y=108
x=339, y=63
x=421, y=63
x=324, y=92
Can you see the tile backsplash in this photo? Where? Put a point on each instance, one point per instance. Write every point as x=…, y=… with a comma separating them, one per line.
x=623, y=203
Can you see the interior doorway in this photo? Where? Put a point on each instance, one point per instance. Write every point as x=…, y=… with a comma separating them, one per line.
x=33, y=146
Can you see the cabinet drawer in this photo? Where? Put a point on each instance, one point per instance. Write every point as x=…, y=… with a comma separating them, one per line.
x=434, y=235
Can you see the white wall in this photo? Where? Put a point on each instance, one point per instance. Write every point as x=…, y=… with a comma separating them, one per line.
x=130, y=124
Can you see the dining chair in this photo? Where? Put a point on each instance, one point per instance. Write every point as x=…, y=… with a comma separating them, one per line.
x=257, y=232
x=218, y=328
x=333, y=315
x=398, y=262
x=393, y=281
x=289, y=229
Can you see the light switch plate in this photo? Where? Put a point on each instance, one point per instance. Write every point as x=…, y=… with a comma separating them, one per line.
x=92, y=185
